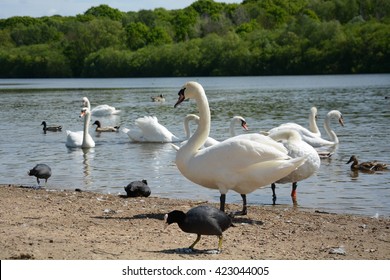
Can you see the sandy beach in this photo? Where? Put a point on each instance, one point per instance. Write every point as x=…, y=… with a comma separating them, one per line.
x=76, y=225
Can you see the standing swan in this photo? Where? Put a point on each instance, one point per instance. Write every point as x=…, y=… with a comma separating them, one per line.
x=292, y=140
x=238, y=163
x=81, y=139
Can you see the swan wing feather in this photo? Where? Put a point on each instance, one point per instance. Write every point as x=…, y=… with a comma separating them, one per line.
x=153, y=131
x=74, y=138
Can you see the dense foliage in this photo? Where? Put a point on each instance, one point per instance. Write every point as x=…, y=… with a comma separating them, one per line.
x=256, y=37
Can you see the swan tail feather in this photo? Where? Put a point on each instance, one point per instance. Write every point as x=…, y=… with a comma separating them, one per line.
x=272, y=171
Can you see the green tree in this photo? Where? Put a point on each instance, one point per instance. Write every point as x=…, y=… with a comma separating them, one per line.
x=256, y=37
x=5, y=39
x=105, y=11
x=37, y=61
x=16, y=21
x=136, y=35
x=184, y=24
x=34, y=34
x=84, y=38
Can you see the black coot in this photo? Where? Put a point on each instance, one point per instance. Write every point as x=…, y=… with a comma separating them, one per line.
x=138, y=188
x=41, y=171
x=202, y=220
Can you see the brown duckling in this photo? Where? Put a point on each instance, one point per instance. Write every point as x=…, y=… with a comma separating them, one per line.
x=367, y=165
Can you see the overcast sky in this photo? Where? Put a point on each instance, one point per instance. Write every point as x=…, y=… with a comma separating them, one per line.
x=39, y=8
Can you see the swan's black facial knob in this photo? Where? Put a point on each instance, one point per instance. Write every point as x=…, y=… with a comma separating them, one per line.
x=181, y=97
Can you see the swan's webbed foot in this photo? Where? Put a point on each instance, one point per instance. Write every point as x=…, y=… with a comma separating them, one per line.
x=244, y=210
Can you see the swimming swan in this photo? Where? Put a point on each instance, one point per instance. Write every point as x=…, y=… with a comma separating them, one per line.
x=150, y=130
x=211, y=141
x=81, y=139
x=238, y=163
x=313, y=128
x=101, y=110
x=313, y=139
x=192, y=117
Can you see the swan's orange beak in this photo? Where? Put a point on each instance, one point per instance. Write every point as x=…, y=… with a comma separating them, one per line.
x=82, y=114
x=244, y=125
x=181, y=97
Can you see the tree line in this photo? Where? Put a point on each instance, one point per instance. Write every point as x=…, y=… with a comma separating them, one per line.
x=255, y=37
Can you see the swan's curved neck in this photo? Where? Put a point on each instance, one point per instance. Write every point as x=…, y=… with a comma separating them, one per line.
x=87, y=103
x=232, y=130
x=332, y=135
x=313, y=124
x=87, y=119
x=187, y=120
x=202, y=132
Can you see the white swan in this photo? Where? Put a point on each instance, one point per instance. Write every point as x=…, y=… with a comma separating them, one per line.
x=101, y=110
x=320, y=142
x=211, y=141
x=237, y=163
x=296, y=147
x=237, y=120
x=81, y=139
x=313, y=128
x=313, y=139
x=192, y=117
x=150, y=130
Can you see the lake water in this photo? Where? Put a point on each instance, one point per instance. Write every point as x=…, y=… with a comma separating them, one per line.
x=265, y=102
